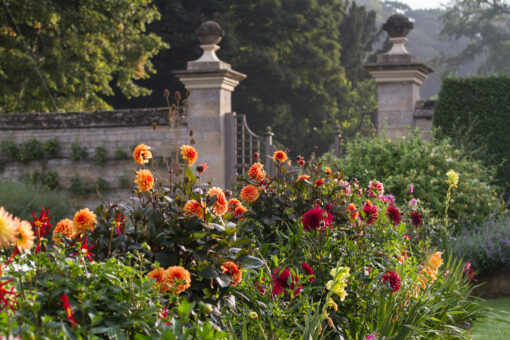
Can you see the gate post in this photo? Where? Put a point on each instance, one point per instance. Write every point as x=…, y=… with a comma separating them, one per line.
x=211, y=82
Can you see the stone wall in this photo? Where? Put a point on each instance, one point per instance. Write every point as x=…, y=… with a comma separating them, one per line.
x=120, y=129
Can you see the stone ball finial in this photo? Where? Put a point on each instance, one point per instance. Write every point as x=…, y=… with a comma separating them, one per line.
x=398, y=25
x=209, y=33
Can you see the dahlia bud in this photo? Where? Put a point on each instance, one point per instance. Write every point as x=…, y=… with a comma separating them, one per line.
x=166, y=93
x=256, y=155
x=253, y=315
x=228, y=193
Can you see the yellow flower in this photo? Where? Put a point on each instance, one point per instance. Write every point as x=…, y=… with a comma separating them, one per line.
x=337, y=285
x=26, y=236
x=453, y=178
x=8, y=230
x=280, y=156
x=332, y=304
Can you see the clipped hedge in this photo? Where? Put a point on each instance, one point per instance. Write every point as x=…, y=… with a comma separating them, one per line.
x=475, y=113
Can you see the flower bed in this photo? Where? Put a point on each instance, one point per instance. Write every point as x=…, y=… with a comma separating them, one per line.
x=304, y=254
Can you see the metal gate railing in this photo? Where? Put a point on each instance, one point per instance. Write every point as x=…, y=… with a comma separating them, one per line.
x=240, y=145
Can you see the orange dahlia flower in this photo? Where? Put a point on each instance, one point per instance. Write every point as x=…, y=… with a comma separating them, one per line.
x=220, y=207
x=26, y=236
x=84, y=220
x=280, y=156
x=232, y=204
x=235, y=273
x=353, y=213
x=141, y=154
x=158, y=275
x=176, y=279
x=144, y=180
x=189, y=153
x=328, y=172
x=257, y=172
x=249, y=193
x=240, y=210
x=64, y=227
x=194, y=207
x=8, y=232
x=303, y=177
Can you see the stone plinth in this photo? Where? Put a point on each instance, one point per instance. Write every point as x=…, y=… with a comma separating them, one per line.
x=399, y=76
x=211, y=82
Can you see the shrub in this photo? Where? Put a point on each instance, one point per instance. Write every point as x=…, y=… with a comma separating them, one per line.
x=78, y=152
x=475, y=113
x=33, y=150
x=423, y=164
x=486, y=246
x=78, y=187
x=21, y=199
x=52, y=147
x=10, y=150
x=121, y=154
x=102, y=185
x=101, y=155
x=125, y=181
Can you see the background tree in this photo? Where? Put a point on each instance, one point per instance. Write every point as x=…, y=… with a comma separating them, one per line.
x=291, y=52
x=486, y=24
x=81, y=47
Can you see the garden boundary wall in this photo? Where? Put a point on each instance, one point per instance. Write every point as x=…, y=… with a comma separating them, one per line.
x=116, y=131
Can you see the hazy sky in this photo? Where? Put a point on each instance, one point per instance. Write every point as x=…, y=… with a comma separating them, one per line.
x=417, y=4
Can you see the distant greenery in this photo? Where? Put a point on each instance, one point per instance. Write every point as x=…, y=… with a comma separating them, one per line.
x=494, y=326
x=49, y=179
x=21, y=199
x=101, y=155
x=31, y=150
x=78, y=152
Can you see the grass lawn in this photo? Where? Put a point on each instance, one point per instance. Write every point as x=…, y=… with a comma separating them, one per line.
x=489, y=328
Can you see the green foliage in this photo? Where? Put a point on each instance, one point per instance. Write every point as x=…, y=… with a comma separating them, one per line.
x=10, y=150
x=101, y=155
x=102, y=185
x=33, y=150
x=78, y=186
x=291, y=54
x=423, y=164
x=52, y=147
x=21, y=199
x=81, y=51
x=120, y=154
x=475, y=113
x=49, y=179
x=125, y=181
x=78, y=152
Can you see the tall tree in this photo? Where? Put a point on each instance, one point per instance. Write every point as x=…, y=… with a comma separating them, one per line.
x=486, y=24
x=65, y=53
x=290, y=50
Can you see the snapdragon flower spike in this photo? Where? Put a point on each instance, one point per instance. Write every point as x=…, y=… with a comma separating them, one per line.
x=67, y=307
x=5, y=300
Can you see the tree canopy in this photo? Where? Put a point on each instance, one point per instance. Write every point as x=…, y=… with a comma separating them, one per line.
x=290, y=50
x=81, y=49
x=486, y=24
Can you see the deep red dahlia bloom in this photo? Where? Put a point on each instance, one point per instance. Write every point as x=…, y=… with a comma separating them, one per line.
x=371, y=214
x=416, y=218
x=393, y=279
x=283, y=281
x=42, y=223
x=394, y=215
x=316, y=218
x=308, y=270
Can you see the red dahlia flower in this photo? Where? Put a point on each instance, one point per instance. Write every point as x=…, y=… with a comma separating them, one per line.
x=392, y=279
x=67, y=307
x=394, y=215
x=370, y=211
x=283, y=281
x=416, y=218
x=316, y=218
x=308, y=270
